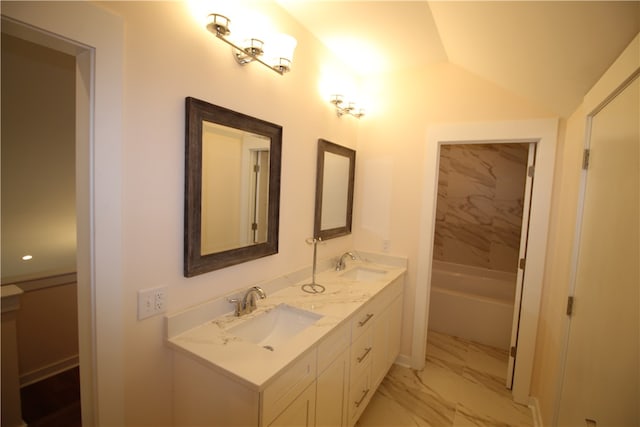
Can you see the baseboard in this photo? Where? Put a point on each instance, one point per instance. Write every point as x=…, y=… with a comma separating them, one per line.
x=402, y=360
x=48, y=371
x=535, y=411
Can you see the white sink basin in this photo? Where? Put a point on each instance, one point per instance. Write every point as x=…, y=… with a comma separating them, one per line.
x=276, y=326
x=364, y=274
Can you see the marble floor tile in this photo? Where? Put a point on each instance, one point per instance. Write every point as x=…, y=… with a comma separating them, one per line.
x=462, y=384
x=447, y=348
x=384, y=411
x=487, y=359
x=441, y=378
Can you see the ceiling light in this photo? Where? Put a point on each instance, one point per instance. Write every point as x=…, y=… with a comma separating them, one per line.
x=27, y=257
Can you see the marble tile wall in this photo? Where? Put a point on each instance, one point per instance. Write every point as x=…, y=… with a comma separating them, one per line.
x=480, y=203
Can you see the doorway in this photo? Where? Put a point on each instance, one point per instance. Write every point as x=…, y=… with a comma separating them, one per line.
x=543, y=133
x=482, y=216
x=39, y=222
x=99, y=194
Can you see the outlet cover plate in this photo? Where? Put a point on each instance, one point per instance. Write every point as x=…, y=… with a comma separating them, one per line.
x=151, y=301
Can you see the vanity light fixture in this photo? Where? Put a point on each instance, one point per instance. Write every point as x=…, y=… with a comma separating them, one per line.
x=277, y=55
x=350, y=108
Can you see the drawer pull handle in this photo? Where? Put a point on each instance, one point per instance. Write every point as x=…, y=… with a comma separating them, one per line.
x=364, y=355
x=363, y=322
x=364, y=395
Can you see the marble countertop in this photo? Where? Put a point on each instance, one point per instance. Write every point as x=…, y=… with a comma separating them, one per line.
x=255, y=366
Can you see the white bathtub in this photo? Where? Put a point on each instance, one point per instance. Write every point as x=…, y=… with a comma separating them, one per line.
x=472, y=303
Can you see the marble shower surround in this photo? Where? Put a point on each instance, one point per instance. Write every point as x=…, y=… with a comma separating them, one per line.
x=480, y=204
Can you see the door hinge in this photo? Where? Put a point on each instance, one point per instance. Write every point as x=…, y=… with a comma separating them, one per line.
x=585, y=158
x=513, y=351
x=569, y=306
x=531, y=171
x=522, y=263
x=256, y=168
x=254, y=226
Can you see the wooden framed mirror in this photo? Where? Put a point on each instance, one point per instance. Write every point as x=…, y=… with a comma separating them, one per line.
x=232, y=187
x=334, y=190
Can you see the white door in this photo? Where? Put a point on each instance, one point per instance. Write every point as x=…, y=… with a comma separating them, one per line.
x=601, y=385
x=524, y=235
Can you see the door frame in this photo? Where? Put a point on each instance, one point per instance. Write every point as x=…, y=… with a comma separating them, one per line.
x=96, y=38
x=624, y=70
x=544, y=133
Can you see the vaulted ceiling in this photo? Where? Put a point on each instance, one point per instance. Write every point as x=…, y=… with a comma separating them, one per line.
x=549, y=52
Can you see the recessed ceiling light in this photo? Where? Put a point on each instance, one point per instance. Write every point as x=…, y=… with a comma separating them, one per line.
x=27, y=257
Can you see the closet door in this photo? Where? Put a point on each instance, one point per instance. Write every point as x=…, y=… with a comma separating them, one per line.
x=602, y=373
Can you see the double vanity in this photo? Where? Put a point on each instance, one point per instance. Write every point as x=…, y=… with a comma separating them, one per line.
x=298, y=358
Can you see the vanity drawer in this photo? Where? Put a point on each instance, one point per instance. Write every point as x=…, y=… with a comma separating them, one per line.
x=361, y=353
x=284, y=389
x=359, y=396
x=331, y=347
x=363, y=319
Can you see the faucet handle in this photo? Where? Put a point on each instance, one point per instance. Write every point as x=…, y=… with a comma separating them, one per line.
x=238, y=304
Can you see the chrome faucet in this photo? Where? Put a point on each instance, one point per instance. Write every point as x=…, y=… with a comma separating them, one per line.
x=341, y=264
x=248, y=303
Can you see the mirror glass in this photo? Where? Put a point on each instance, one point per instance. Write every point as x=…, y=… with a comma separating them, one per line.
x=232, y=187
x=235, y=169
x=334, y=190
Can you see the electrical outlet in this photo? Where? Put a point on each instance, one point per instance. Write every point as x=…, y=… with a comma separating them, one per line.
x=160, y=300
x=151, y=302
x=386, y=245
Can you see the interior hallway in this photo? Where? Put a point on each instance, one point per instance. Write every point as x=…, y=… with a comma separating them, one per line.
x=462, y=384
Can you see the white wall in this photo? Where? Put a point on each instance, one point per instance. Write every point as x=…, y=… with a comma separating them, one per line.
x=168, y=57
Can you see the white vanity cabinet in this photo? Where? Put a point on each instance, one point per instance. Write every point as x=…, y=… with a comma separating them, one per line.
x=332, y=384
x=386, y=340
x=301, y=412
x=285, y=397
x=204, y=396
x=329, y=383
x=375, y=344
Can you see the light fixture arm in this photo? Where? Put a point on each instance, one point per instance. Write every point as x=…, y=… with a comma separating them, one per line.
x=349, y=109
x=219, y=26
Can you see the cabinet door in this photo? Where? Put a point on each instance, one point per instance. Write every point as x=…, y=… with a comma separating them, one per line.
x=331, y=393
x=301, y=412
x=395, y=330
x=380, y=345
x=287, y=386
x=359, y=396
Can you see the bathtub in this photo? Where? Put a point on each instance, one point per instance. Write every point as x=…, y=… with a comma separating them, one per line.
x=472, y=303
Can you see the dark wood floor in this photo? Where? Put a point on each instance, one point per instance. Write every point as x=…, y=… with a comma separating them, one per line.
x=53, y=402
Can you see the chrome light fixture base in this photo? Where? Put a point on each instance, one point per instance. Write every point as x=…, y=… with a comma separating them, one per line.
x=250, y=52
x=349, y=109
x=219, y=25
x=283, y=65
